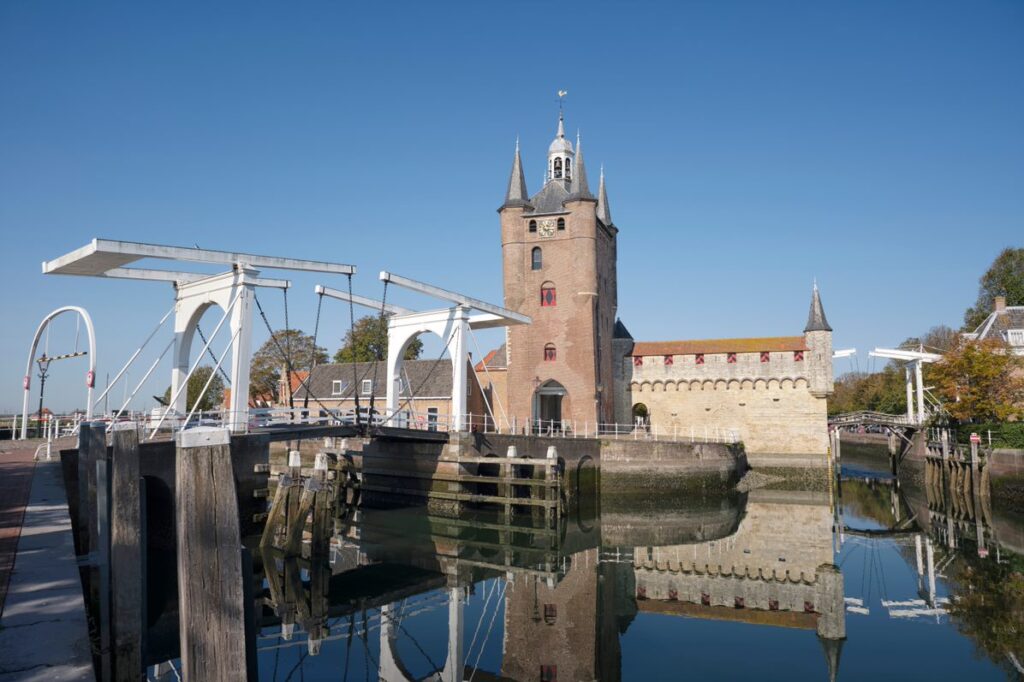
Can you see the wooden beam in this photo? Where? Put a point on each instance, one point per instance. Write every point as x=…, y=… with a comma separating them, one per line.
x=211, y=604
x=127, y=569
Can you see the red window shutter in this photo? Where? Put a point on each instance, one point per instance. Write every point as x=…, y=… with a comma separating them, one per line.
x=668, y=360
x=638, y=360
x=765, y=356
x=731, y=358
x=549, y=673
x=548, y=297
x=798, y=355
x=699, y=359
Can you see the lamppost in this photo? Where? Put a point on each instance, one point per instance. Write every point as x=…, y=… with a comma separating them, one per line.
x=44, y=368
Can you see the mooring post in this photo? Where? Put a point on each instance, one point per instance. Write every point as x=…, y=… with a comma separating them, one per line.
x=99, y=541
x=92, y=437
x=212, y=628
x=127, y=554
x=321, y=539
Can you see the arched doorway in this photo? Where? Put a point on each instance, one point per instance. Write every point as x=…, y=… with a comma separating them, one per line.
x=547, y=406
x=641, y=417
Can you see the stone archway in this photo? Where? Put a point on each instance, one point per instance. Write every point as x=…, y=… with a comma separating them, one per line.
x=641, y=416
x=548, y=401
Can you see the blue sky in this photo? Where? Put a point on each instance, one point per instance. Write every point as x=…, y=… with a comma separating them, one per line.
x=749, y=147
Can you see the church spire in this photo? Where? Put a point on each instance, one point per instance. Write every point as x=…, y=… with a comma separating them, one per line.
x=816, y=321
x=516, y=196
x=604, y=213
x=578, y=188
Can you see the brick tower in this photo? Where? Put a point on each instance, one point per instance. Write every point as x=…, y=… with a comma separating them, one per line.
x=559, y=257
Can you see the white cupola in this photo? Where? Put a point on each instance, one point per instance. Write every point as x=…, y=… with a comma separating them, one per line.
x=560, y=155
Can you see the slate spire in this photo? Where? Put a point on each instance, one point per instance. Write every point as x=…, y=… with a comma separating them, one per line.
x=604, y=213
x=816, y=321
x=578, y=188
x=516, y=195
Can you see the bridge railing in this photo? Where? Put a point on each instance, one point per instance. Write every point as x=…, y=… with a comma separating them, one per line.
x=867, y=417
x=282, y=417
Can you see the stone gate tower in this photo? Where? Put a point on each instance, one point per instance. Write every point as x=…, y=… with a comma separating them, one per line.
x=559, y=254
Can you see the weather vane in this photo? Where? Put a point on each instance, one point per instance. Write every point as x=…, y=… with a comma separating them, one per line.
x=561, y=97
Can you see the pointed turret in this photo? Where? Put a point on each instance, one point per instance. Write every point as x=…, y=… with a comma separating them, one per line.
x=604, y=213
x=516, y=196
x=578, y=188
x=816, y=321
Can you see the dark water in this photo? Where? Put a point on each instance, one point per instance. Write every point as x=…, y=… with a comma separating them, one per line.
x=768, y=585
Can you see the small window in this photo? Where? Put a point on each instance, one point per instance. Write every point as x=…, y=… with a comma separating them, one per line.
x=730, y=358
x=337, y=387
x=698, y=359
x=798, y=356
x=537, y=259
x=558, y=167
x=638, y=361
x=549, y=673
x=561, y=223
x=550, y=613
x=668, y=360
x=533, y=226
x=765, y=356
x=367, y=387
x=548, y=298
x=1015, y=337
x=549, y=353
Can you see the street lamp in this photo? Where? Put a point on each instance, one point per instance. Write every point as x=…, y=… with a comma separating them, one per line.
x=44, y=368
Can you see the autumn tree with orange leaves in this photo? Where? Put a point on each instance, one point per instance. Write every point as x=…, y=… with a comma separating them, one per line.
x=980, y=381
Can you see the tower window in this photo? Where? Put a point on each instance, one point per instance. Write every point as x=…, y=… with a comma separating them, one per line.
x=549, y=353
x=765, y=356
x=548, y=299
x=558, y=167
x=537, y=258
x=668, y=360
x=568, y=168
x=561, y=223
x=638, y=361
x=698, y=359
x=533, y=226
x=798, y=356
x=730, y=358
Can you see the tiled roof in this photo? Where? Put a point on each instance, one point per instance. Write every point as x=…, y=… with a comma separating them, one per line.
x=777, y=343
x=493, y=360
x=994, y=326
x=549, y=199
x=422, y=375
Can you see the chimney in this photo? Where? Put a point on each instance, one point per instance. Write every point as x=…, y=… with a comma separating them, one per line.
x=1000, y=304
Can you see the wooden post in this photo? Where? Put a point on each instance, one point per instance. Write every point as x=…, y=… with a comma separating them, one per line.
x=127, y=555
x=92, y=438
x=99, y=541
x=211, y=603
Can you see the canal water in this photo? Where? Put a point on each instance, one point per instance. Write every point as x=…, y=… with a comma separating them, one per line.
x=867, y=581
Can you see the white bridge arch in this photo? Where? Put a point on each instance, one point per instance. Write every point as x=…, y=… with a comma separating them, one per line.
x=90, y=377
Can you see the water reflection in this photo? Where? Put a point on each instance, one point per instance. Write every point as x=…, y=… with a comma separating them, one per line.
x=866, y=580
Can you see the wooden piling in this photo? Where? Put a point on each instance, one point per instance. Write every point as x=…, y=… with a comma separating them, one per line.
x=212, y=628
x=127, y=556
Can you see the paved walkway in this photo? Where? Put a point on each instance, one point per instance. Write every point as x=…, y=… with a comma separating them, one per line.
x=43, y=629
x=15, y=481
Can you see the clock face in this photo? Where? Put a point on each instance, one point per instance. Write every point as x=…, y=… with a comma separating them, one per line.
x=546, y=228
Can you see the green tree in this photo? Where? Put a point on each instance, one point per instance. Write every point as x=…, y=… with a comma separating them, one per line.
x=980, y=380
x=368, y=341
x=268, y=362
x=1005, y=277
x=214, y=395
x=988, y=607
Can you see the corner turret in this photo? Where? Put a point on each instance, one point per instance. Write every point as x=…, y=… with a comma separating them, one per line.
x=516, y=196
x=818, y=335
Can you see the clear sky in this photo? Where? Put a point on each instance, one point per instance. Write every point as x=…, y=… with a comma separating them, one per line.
x=749, y=147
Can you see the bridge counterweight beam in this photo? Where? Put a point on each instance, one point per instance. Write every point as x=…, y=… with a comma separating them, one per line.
x=910, y=394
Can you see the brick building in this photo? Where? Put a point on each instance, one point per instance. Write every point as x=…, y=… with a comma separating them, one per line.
x=577, y=365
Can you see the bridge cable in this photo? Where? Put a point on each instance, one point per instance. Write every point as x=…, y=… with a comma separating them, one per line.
x=288, y=364
x=430, y=372
x=213, y=357
x=288, y=346
x=312, y=354
x=352, y=335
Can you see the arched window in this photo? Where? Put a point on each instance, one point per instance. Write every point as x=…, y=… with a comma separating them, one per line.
x=561, y=223
x=558, y=167
x=548, y=299
x=533, y=226
x=538, y=258
x=568, y=168
x=550, y=353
